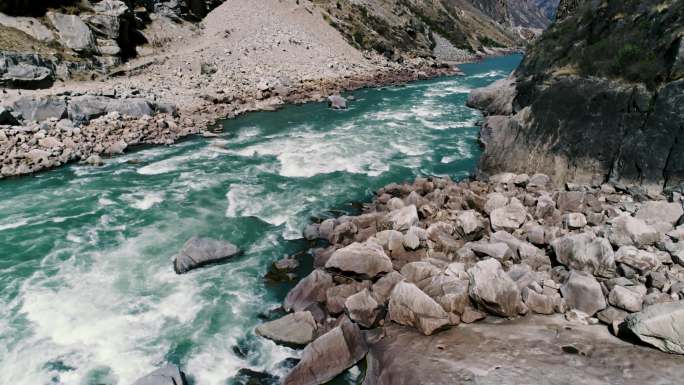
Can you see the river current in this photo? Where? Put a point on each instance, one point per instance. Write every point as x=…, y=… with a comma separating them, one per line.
x=88, y=294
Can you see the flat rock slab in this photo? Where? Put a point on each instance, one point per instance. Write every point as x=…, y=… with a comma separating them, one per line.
x=198, y=252
x=522, y=351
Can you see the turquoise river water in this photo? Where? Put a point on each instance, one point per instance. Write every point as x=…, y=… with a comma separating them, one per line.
x=88, y=294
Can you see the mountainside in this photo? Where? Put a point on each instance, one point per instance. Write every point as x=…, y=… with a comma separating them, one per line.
x=589, y=103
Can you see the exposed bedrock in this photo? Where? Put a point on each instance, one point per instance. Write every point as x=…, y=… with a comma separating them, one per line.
x=586, y=105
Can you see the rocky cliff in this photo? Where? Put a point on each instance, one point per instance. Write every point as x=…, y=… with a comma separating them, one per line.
x=599, y=97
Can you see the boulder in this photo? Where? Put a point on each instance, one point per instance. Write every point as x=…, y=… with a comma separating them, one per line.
x=495, y=99
x=540, y=303
x=329, y=355
x=73, y=32
x=198, y=252
x=402, y=219
x=493, y=290
x=40, y=109
x=29, y=25
x=574, y=221
x=308, y=291
x=85, y=108
x=28, y=76
x=653, y=212
x=336, y=296
x=415, y=272
x=629, y=231
x=410, y=306
x=363, y=309
x=570, y=201
x=133, y=107
x=337, y=102
x=363, y=259
x=382, y=289
x=585, y=252
x=625, y=299
x=296, y=329
x=660, y=325
x=495, y=200
x=451, y=292
x=166, y=375
x=583, y=292
x=497, y=250
x=640, y=260
x=509, y=217
x=470, y=225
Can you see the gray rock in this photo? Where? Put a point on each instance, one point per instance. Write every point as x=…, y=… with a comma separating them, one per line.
x=29, y=25
x=495, y=200
x=364, y=259
x=540, y=303
x=336, y=102
x=402, y=219
x=625, y=299
x=640, y=260
x=73, y=32
x=336, y=296
x=451, y=292
x=574, y=221
x=308, y=291
x=495, y=99
x=497, y=250
x=493, y=290
x=198, y=252
x=510, y=217
x=362, y=308
x=660, y=325
x=133, y=107
x=329, y=355
x=583, y=292
x=382, y=289
x=40, y=109
x=85, y=108
x=653, y=212
x=415, y=272
x=24, y=75
x=166, y=375
x=630, y=231
x=409, y=306
x=470, y=225
x=585, y=252
x=296, y=329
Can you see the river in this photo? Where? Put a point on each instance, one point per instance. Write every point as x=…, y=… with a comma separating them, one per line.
x=88, y=294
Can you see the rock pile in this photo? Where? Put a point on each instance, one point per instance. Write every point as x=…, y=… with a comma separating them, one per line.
x=436, y=253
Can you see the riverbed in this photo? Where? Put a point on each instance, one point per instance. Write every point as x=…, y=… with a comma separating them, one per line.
x=88, y=294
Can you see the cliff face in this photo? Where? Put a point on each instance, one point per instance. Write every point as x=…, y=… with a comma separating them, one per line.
x=599, y=97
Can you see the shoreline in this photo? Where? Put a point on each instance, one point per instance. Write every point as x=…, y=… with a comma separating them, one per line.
x=445, y=257
x=56, y=142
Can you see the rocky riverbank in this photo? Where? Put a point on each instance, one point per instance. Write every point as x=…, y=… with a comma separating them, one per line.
x=433, y=254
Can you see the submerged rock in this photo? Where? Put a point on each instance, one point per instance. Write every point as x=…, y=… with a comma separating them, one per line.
x=337, y=102
x=167, y=375
x=198, y=252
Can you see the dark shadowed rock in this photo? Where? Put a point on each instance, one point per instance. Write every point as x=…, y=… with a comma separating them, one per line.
x=167, y=375
x=329, y=355
x=198, y=252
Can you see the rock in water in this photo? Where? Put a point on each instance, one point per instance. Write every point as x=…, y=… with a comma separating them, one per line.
x=583, y=292
x=167, y=375
x=296, y=329
x=493, y=290
x=661, y=325
x=329, y=355
x=198, y=252
x=410, y=306
x=337, y=102
x=308, y=291
x=365, y=259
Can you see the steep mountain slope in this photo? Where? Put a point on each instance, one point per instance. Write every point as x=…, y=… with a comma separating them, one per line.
x=589, y=103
